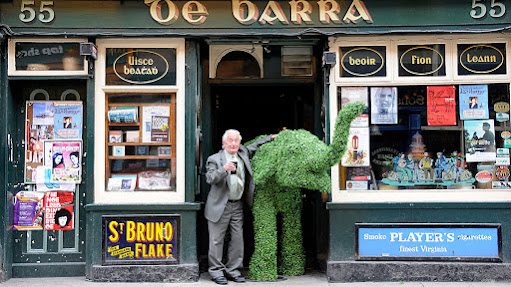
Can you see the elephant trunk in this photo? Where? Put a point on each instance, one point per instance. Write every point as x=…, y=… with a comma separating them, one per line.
x=333, y=154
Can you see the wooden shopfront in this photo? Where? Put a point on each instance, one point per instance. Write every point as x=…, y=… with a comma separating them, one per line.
x=155, y=81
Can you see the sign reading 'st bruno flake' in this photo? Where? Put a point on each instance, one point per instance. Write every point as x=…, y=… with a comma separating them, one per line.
x=147, y=239
x=482, y=59
x=362, y=62
x=438, y=241
x=140, y=66
x=425, y=60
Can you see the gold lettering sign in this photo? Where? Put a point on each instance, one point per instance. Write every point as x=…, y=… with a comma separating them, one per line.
x=372, y=63
x=416, y=60
x=486, y=56
x=140, y=64
x=501, y=107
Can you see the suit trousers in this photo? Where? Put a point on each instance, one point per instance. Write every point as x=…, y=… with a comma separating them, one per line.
x=232, y=218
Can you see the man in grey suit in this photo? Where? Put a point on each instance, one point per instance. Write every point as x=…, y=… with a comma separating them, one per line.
x=230, y=175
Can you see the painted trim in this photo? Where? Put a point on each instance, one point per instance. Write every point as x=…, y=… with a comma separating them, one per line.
x=145, y=197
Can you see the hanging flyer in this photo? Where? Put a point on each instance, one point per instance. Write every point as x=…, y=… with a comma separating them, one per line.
x=65, y=161
x=58, y=210
x=39, y=127
x=150, y=113
x=357, y=151
x=356, y=94
x=28, y=210
x=384, y=105
x=480, y=141
x=473, y=102
x=441, y=106
x=67, y=120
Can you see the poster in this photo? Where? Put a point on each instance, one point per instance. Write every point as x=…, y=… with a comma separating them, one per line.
x=160, y=131
x=65, y=161
x=58, y=210
x=356, y=94
x=384, y=105
x=67, y=120
x=473, y=102
x=441, y=106
x=480, y=141
x=46, y=121
x=28, y=210
x=39, y=127
x=357, y=150
x=148, y=113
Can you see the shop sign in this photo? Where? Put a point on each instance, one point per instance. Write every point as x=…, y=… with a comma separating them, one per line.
x=48, y=57
x=505, y=134
x=141, y=66
x=426, y=60
x=507, y=143
x=501, y=107
x=362, y=61
x=502, y=173
x=503, y=161
x=502, y=152
x=484, y=176
x=356, y=184
x=144, y=239
x=502, y=117
x=459, y=242
x=481, y=59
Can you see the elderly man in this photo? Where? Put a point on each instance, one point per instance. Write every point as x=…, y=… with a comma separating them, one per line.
x=230, y=176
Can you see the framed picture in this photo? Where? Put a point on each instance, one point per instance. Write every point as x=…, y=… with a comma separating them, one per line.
x=115, y=136
x=118, y=150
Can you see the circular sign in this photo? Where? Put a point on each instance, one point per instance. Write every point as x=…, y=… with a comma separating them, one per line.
x=481, y=59
x=421, y=57
x=141, y=67
x=362, y=62
x=505, y=134
x=484, y=176
x=501, y=107
x=502, y=173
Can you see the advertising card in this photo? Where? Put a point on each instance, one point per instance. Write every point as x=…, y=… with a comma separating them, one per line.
x=58, y=210
x=480, y=141
x=67, y=120
x=473, y=102
x=357, y=151
x=356, y=94
x=65, y=161
x=28, y=210
x=384, y=105
x=441, y=106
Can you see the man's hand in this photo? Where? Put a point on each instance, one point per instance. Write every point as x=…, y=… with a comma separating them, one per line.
x=229, y=166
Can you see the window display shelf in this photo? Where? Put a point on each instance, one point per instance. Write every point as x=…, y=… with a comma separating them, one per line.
x=124, y=124
x=139, y=157
x=140, y=144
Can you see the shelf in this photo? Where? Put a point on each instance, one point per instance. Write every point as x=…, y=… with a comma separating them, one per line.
x=140, y=144
x=139, y=157
x=124, y=124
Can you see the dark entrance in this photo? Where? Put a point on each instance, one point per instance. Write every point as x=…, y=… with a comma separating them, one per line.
x=264, y=109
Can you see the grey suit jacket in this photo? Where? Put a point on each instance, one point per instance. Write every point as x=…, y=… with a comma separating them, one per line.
x=216, y=176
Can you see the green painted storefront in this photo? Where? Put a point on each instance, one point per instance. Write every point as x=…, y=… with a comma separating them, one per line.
x=331, y=239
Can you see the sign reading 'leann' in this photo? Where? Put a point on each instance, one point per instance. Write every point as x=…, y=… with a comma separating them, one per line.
x=481, y=59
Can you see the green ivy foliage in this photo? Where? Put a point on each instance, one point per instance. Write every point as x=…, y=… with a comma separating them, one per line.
x=296, y=159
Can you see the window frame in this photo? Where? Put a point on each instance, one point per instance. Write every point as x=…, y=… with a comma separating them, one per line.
x=101, y=195
x=392, y=79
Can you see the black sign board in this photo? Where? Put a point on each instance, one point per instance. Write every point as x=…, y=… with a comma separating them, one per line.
x=486, y=59
x=420, y=61
x=48, y=57
x=362, y=62
x=140, y=66
x=141, y=239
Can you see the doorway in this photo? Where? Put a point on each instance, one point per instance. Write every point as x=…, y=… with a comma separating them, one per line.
x=258, y=109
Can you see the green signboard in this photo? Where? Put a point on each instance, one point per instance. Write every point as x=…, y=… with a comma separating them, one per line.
x=163, y=17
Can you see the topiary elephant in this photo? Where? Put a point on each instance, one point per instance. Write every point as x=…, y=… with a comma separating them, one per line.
x=296, y=159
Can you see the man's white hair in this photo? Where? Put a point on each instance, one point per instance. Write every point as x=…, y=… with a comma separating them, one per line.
x=230, y=131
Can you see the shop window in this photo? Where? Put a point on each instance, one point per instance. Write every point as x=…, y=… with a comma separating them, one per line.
x=238, y=64
x=141, y=143
x=428, y=137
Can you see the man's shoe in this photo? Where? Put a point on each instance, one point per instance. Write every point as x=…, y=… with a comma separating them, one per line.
x=220, y=280
x=238, y=279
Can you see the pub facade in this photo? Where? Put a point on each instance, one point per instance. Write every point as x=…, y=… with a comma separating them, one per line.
x=110, y=109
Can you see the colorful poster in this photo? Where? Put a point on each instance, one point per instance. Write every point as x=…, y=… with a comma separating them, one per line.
x=39, y=127
x=65, y=162
x=474, y=102
x=356, y=94
x=67, y=121
x=148, y=112
x=441, y=106
x=384, y=105
x=58, y=210
x=160, y=131
x=480, y=141
x=28, y=210
x=357, y=151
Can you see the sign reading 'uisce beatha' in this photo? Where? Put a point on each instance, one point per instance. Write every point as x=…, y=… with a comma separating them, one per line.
x=126, y=66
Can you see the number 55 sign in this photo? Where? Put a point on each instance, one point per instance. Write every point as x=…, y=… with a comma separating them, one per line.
x=28, y=13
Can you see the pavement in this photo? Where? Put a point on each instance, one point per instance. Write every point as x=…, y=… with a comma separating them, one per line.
x=308, y=280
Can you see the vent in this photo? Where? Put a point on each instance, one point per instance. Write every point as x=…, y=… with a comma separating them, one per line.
x=296, y=61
